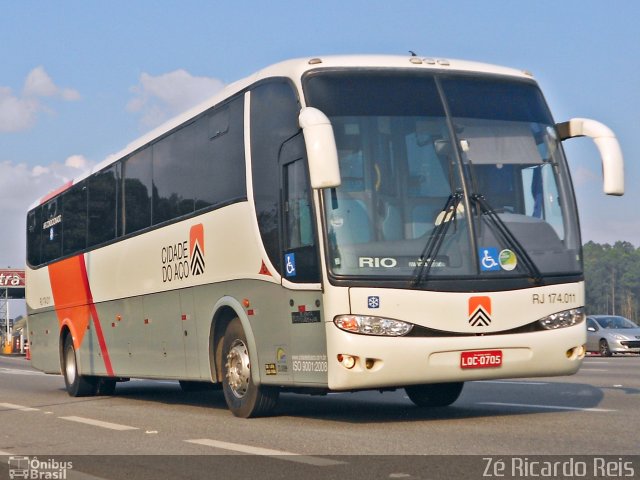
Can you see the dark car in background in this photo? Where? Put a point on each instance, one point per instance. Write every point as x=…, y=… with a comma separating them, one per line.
x=609, y=334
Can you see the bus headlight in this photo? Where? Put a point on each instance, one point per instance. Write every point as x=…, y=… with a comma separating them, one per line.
x=567, y=318
x=368, y=325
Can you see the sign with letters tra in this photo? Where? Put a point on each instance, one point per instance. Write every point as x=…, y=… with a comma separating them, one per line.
x=12, y=283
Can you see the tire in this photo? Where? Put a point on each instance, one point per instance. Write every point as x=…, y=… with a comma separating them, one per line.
x=244, y=398
x=77, y=385
x=434, y=395
x=604, y=349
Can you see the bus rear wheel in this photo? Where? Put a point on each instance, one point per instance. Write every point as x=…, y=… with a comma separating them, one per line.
x=244, y=398
x=77, y=385
x=434, y=395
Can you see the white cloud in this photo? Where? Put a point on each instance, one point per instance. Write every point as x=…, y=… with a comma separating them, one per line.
x=16, y=114
x=20, y=187
x=39, y=84
x=161, y=97
x=77, y=161
x=19, y=112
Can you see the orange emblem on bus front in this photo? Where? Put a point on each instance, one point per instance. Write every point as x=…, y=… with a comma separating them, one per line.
x=480, y=311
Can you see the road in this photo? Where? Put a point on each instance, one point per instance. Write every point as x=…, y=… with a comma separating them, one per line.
x=592, y=413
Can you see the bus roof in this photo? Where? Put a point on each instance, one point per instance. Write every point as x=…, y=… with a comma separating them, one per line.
x=295, y=69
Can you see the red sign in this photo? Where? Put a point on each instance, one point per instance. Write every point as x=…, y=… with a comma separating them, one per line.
x=11, y=278
x=483, y=359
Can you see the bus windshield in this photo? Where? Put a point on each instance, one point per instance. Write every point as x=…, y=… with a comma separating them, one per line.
x=444, y=176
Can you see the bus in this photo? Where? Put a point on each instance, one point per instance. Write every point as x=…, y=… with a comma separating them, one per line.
x=328, y=224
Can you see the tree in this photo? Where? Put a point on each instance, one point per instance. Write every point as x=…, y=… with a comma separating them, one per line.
x=612, y=279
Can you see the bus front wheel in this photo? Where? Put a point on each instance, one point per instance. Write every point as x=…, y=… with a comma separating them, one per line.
x=434, y=395
x=244, y=398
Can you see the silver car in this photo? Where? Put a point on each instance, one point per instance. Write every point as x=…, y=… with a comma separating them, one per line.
x=609, y=334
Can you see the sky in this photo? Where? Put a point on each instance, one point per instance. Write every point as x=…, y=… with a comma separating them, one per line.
x=79, y=80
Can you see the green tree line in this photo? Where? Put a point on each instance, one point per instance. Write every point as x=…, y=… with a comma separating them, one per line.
x=612, y=279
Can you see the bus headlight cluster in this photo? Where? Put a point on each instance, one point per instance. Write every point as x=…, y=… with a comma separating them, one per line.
x=368, y=325
x=567, y=318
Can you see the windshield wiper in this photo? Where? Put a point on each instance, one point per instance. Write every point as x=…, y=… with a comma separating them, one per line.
x=506, y=237
x=436, y=237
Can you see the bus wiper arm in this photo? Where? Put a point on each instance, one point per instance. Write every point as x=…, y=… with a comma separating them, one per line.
x=507, y=237
x=434, y=242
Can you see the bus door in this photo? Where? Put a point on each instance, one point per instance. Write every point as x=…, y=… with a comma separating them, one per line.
x=301, y=272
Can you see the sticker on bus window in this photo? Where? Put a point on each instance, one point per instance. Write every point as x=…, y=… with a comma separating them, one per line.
x=290, y=264
x=488, y=259
x=508, y=260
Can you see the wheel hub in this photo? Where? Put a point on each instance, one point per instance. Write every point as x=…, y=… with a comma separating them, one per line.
x=70, y=365
x=238, y=368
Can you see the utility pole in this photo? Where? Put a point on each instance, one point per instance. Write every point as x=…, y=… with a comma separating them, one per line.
x=4, y=313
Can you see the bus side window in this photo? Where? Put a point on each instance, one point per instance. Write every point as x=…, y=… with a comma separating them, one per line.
x=103, y=205
x=137, y=191
x=274, y=120
x=34, y=233
x=74, y=216
x=51, y=231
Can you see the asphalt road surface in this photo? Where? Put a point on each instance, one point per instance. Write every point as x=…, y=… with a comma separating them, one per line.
x=152, y=429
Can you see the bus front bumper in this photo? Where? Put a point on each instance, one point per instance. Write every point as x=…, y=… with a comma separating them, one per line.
x=370, y=362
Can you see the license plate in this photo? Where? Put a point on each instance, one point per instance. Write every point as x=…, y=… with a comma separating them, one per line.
x=482, y=359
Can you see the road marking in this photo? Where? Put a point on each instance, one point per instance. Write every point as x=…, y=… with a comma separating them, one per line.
x=513, y=382
x=6, y=453
x=99, y=423
x=588, y=369
x=546, y=407
x=18, y=371
x=266, y=452
x=22, y=408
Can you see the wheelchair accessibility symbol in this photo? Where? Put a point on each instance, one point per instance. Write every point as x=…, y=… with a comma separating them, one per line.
x=290, y=264
x=489, y=259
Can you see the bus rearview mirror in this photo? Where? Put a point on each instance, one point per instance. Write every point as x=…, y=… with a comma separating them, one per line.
x=608, y=146
x=322, y=153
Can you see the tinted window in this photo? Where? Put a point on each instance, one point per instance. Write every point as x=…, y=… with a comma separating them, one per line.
x=51, y=231
x=34, y=231
x=479, y=98
x=200, y=165
x=362, y=94
x=137, y=191
x=274, y=119
x=173, y=159
x=103, y=205
x=221, y=176
x=74, y=220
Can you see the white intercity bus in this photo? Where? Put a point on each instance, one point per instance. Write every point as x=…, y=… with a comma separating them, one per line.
x=327, y=224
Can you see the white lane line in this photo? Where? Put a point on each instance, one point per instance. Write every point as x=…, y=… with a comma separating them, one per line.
x=19, y=371
x=99, y=423
x=512, y=382
x=545, y=407
x=6, y=453
x=588, y=369
x=22, y=408
x=266, y=452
